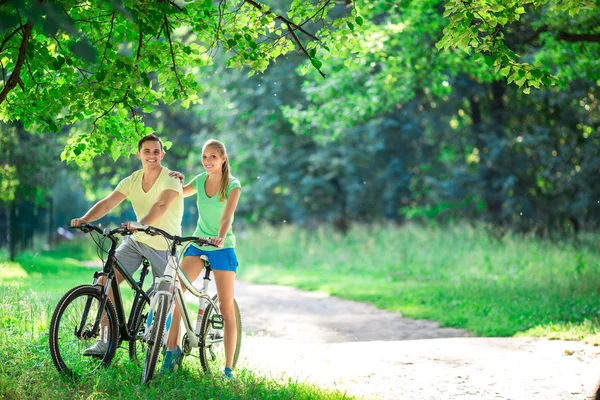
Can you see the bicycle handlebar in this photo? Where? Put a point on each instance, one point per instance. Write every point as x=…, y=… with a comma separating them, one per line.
x=153, y=231
x=86, y=228
x=150, y=230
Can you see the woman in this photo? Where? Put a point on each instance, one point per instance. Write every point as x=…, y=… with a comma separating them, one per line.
x=217, y=197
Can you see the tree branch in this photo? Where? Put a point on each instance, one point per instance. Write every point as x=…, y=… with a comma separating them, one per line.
x=566, y=36
x=282, y=19
x=578, y=37
x=133, y=115
x=9, y=36
x=303, y=48
x=318, y=11
x=112, y=23
x=15, y=76
x=173, y=54
x=174, y=5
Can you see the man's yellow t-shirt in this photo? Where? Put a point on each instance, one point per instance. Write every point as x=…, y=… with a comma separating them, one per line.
x=143, y=201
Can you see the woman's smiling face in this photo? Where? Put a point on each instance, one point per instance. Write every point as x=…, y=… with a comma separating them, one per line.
x=212, y=160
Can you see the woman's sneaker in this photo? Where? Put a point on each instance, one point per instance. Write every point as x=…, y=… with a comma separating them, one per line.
x=173, y=359
x=98, y=349
x=227, y=373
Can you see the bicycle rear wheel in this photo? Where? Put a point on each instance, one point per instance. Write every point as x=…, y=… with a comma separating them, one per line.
x=212, y=348
x=71, y=332
x=155, y=337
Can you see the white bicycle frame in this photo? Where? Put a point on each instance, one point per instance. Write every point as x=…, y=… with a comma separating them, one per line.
x=170, y=285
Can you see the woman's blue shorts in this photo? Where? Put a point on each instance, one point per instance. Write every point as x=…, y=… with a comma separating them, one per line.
x=220, y=260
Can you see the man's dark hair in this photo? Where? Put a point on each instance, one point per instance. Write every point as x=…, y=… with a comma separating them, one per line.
x=149, y=138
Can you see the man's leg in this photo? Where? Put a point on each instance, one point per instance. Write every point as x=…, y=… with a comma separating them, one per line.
x=131, y=259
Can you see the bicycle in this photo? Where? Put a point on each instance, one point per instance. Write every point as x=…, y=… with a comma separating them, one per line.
x=207, y=334
x=77, y=319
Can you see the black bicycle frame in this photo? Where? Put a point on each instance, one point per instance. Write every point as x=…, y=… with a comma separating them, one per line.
x=126, y=328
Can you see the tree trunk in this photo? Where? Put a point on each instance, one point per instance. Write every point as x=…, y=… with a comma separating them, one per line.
x=12, y=231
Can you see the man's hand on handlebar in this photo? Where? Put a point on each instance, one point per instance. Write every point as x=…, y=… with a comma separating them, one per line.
x=78, y=222
x=134, y=226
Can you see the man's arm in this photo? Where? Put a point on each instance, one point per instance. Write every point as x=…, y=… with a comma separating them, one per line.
x=101, y=208
x=165, y=199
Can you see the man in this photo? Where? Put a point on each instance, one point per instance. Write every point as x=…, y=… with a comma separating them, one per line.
x=157, y=200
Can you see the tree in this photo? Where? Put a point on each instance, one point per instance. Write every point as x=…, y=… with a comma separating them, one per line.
x=517, y=158
x=104, y=64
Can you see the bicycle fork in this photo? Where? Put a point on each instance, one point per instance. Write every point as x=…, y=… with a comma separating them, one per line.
x=164, y=287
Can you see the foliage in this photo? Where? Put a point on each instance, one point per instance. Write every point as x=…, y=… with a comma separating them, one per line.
x=28, y=170
x=398, y=130
x=105, y=64
x=489, y=27
x=478, y=147
x=459, y=275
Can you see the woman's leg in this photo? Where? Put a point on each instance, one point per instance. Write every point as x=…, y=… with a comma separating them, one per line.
x=225, y=285
x=192, y=268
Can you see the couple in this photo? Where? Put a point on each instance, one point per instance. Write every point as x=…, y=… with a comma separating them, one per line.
x=156, y=194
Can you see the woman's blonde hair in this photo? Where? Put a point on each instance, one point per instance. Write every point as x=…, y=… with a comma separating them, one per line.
x=224, y=168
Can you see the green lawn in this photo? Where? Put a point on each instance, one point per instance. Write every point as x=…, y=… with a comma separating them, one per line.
x=461, y=276
x=29, y=291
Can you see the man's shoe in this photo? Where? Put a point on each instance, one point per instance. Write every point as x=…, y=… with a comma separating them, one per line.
x=98, y=349
x=173, y=359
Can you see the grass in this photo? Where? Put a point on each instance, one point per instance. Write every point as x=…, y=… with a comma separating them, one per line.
x=462, y=276
x=31, y=286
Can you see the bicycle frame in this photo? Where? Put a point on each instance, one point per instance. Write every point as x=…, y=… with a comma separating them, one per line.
x=203, y=298
x=108, y=270
x=170, y=285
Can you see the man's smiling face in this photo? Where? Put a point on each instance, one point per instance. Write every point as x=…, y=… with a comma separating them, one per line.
x=151, y=154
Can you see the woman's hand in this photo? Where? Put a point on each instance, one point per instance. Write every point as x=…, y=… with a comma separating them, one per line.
x=218, y=241
x=178, y=175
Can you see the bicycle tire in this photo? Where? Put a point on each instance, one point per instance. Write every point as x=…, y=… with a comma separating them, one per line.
x=154, y=344
x=212, y=355
x=66, y=349
x=137, y=346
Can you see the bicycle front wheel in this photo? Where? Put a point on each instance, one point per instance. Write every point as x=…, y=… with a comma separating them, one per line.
x=137, y=345
x=76, y=349
x=212, y=346
x=155, y=337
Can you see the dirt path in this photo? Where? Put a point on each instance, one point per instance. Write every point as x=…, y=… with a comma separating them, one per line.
x=372, y=353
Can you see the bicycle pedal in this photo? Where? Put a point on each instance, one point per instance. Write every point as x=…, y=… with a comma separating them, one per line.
x=217, y=321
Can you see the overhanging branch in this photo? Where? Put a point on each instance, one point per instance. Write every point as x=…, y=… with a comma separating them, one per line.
x=283, y=19
x=578, y=37
x=15, y=77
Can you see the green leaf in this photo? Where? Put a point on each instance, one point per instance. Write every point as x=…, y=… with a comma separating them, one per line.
x=359, y=20
x=316, y=63
x=312, y=52
x=505, y=71
x=350, y=25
